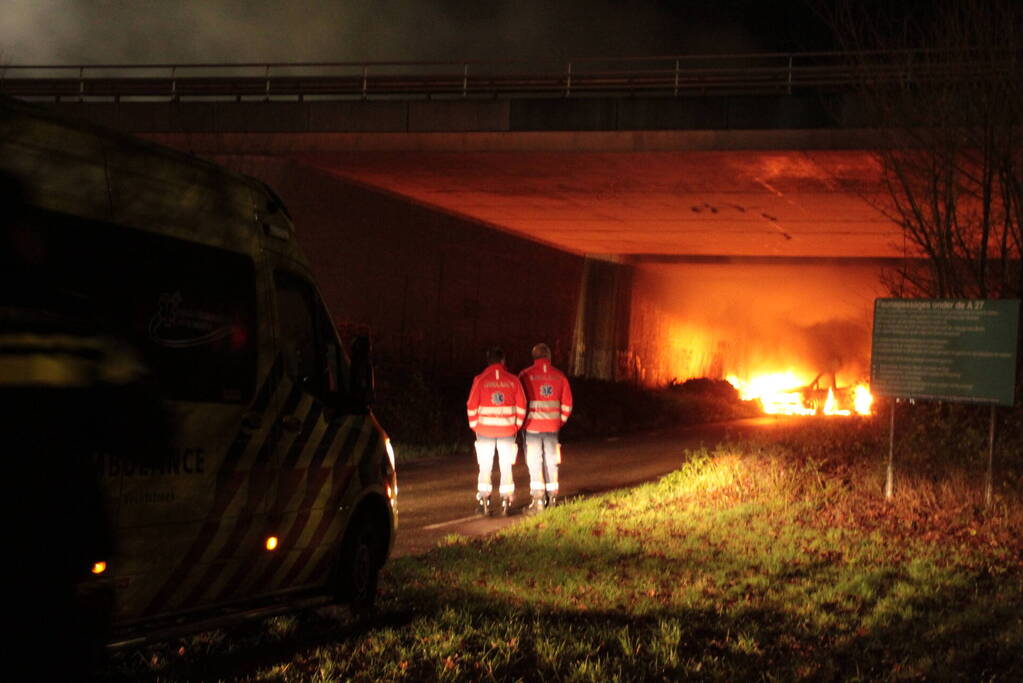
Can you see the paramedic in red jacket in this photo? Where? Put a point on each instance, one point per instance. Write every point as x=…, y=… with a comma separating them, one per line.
x=496, y=409
x=550, y=405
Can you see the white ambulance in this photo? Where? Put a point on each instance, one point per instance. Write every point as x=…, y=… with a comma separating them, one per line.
x=277, y=488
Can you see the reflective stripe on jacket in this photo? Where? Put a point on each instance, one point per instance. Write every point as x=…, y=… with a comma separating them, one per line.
x=549, y=397
x=497, y=404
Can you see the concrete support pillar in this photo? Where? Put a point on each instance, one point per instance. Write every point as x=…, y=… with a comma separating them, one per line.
x=601, y=340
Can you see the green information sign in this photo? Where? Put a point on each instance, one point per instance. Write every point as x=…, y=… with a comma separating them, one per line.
x=945, y=349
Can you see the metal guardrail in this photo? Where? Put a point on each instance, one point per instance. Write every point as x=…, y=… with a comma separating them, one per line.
x=780, y=73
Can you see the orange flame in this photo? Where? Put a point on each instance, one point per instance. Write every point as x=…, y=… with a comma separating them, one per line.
x=784, y=393
x=774, y=391
x=862, y=399
x=831, y=405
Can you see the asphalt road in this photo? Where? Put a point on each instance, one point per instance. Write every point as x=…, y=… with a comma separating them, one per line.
x=437, y=497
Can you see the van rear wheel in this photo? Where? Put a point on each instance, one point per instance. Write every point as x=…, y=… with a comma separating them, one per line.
x=359, y=566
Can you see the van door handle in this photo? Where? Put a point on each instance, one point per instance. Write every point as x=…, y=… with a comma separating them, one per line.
x=291, y=423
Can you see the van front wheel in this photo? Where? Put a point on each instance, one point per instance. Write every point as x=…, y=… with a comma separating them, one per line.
x=359, y=566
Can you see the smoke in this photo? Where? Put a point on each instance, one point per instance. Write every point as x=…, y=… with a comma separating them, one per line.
x=149, y=31
x=695, y=320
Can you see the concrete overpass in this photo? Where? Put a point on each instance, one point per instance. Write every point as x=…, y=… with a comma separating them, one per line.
x=673, y=210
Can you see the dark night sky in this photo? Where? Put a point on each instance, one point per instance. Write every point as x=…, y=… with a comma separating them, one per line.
x=94, y=31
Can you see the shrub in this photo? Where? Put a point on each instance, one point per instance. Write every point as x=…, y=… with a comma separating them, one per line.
x=425, y=414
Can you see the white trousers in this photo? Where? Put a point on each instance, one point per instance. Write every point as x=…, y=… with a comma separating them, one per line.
x=542, y=458
x=507, y=451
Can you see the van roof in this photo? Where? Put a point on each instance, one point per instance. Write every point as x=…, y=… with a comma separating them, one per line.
x=83, y=169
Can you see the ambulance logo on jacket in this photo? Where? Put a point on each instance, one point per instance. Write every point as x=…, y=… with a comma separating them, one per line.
x=497, y=398
x=547, y=390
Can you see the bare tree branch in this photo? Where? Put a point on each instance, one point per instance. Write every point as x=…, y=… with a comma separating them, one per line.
x=952, y=157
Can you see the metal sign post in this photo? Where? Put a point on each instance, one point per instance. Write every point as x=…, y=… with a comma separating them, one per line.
x=889, y=484
x=989, y=478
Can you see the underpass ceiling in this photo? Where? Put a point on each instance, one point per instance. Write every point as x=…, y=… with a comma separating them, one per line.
x=788, y=204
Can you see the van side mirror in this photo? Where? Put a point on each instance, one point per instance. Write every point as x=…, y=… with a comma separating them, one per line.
x=363, y=381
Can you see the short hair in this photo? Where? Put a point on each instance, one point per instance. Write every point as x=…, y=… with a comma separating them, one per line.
x=541, y=351
x=495, y=354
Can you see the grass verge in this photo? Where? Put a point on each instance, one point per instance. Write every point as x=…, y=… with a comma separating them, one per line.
x=770, y=560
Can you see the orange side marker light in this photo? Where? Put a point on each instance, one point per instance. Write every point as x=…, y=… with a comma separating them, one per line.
x=99, y=567
x=271, y=543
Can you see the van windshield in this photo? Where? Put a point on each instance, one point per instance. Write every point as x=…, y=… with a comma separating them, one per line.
x=188, y=309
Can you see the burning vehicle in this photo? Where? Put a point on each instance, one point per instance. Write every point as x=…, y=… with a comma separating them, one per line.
x=784, y=393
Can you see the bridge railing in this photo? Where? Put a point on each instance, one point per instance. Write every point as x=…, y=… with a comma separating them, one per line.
x=774, y=73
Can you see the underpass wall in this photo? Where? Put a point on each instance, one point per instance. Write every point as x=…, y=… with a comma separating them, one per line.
x=435, y=289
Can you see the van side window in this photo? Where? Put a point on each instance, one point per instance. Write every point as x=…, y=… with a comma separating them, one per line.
x=308, y=344
x=188, y=309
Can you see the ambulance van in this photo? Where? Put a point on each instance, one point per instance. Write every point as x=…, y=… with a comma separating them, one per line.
x=276, y=488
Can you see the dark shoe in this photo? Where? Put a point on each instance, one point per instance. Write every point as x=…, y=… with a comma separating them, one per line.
x=483, y=506
x=552, y=501
x=505, y=506
x=537, y=505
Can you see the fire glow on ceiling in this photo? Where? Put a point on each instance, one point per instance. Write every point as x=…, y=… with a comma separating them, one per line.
x=821, y=203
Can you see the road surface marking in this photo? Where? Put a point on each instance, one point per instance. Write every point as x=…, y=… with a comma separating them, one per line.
x=451, y=522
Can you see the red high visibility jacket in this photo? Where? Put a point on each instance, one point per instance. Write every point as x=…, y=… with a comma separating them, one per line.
x=497, y=404
x=549, y=396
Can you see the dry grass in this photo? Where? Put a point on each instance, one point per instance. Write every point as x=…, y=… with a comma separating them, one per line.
x=939, y=487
